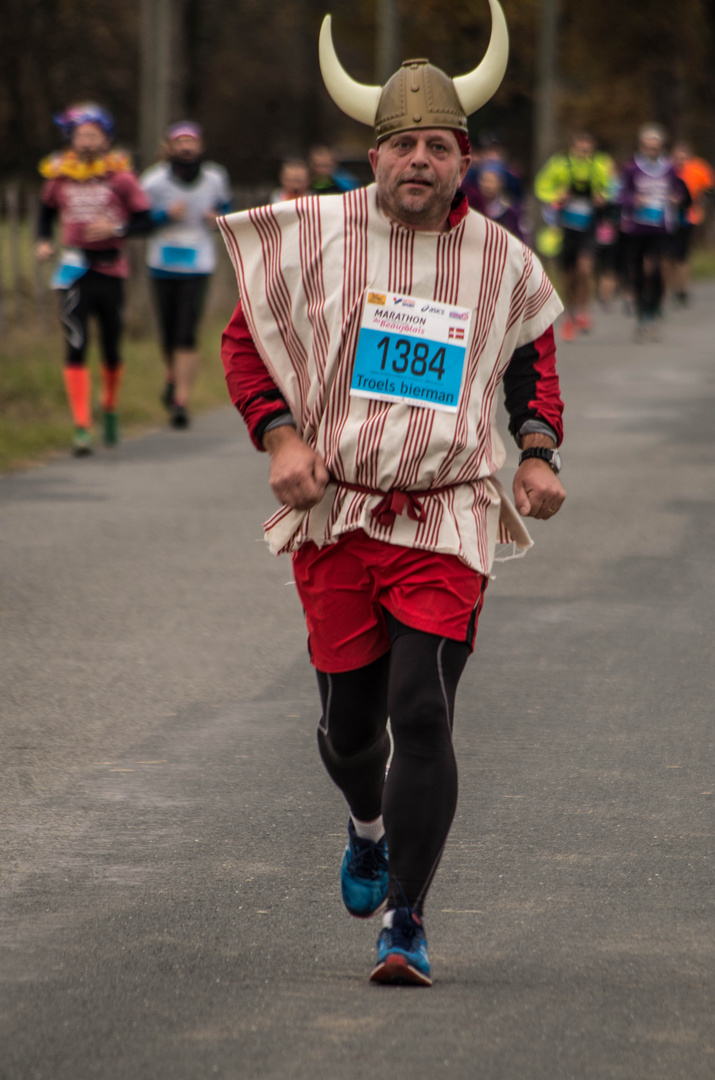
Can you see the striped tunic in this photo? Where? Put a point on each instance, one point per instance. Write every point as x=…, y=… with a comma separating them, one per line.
x=304, y=269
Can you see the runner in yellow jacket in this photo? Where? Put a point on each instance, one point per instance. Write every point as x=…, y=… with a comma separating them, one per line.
x=576, y=185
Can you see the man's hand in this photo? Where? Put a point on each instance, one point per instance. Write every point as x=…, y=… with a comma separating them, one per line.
x=538, y=492
x=298, y=476
x=44, y=249
x=100, y=228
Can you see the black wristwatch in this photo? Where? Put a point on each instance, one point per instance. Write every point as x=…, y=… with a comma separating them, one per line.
x=551, y=457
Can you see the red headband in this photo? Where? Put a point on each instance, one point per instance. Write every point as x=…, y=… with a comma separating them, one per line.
x=463, y=141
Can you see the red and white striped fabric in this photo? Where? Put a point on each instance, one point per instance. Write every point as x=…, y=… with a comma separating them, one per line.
x=303, y=269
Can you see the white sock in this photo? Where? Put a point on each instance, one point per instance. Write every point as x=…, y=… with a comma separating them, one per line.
x=369, y=830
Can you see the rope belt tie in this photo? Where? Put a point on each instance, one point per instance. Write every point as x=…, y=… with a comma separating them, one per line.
x=394, y=502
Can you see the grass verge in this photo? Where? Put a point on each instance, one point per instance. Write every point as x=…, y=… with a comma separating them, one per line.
x=703, y=263
x=34, y=415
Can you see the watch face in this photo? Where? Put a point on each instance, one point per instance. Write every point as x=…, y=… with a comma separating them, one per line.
x=556, y=461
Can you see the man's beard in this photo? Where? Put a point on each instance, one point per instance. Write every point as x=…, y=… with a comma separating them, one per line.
x=185, y=169
x=88, y=156
x=432, y=210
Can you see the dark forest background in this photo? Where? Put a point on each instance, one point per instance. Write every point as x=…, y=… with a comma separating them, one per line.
x=248, y=71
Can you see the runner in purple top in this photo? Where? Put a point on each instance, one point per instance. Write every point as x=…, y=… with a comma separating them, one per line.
x=651, y=196
x=488, y=198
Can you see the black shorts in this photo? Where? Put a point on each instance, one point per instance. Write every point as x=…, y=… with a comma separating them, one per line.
x=180, y=302
x=607, y=258
x=680, y=242
x=575, y=243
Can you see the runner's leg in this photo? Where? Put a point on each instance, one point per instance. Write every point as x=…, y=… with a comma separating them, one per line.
x=417, y=681
x=165, y=292
x=192, y=293
x=352, y=735
x=74, y=312
x=420, y=794
x=107, y=304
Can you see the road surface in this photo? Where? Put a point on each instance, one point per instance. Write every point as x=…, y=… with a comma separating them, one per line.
x=169, y=897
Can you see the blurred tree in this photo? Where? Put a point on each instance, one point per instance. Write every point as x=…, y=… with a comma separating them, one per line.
x=250, y=71
x=53, y=52
x=163, y=71
x=624, y=64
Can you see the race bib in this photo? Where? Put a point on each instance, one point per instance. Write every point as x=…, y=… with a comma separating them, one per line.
x=72, y=265
x=411, y=351
x=650, y=212
x=577, y=214
x=178, y=256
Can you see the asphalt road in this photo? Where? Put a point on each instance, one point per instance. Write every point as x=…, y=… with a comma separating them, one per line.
x=169, y=898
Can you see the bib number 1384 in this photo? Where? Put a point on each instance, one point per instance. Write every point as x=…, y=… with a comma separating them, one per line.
x=411, y=351
x=415, y=357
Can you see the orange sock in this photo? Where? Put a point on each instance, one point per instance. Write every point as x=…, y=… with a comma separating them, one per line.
x=111, y=380
x=78, y=387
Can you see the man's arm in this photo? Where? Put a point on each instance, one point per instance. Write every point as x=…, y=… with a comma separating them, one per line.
x=298, y=476
x=552, y=180
x=46, y=217
x=681, y=193
x=250, y=386
x=627, y=193
x=44, y=248
x=533, y=401
x=531, y=390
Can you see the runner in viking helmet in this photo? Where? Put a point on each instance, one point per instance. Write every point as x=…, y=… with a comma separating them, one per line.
x=365, y=355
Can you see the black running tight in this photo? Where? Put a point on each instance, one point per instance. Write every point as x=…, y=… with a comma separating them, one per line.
x=415, y=685
x=645, y=258
x=94, y=294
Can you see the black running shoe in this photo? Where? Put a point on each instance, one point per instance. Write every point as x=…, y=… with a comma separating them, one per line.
x=167, y=396
x=179, y=417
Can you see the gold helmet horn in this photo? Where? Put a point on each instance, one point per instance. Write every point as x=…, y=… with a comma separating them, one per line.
x=419, y=94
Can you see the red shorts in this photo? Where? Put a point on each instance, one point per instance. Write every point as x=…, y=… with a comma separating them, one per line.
x=345, y=586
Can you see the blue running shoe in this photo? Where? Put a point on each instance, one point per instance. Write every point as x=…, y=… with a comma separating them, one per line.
x=402, y=950
x=363, y=875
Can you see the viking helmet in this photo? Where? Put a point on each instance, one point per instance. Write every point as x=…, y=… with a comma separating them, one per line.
x=419, y=95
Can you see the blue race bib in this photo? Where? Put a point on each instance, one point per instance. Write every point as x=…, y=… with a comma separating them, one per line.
x=72, y=265
x=650, y=214
x=411, y=351
x=577, y=214
x=178, y=256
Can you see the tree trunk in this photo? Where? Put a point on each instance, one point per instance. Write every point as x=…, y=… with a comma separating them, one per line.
x=162, y=72
x=545, y=133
